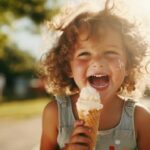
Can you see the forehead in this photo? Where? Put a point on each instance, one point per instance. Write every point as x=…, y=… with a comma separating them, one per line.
x=102, y=35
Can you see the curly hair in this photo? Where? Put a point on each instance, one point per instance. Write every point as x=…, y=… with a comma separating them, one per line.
x=56, y=66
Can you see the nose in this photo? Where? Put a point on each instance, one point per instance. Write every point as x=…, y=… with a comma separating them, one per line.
x=98, y=63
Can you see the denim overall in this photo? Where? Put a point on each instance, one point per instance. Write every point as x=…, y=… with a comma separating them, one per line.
x=121, y=137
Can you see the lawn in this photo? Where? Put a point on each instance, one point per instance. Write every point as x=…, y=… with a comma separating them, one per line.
x=22, y=109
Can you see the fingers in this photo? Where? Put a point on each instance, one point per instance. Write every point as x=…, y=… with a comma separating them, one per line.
x=79, y=128
x=81, y=139
x=78, y=123
x=76, y=147
x=82, y=130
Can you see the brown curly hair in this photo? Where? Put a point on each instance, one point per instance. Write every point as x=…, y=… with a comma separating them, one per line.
x=55, y=64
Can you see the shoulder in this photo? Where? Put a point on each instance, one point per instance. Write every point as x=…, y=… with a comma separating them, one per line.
x=51, y=107
x=50, y=117
x=142, y=114
x=49, y=126
x=50, y=111
x=142, y=123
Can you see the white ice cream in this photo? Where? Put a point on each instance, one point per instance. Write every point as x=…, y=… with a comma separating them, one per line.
x=89, y=99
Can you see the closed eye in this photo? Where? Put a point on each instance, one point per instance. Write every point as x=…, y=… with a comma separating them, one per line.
x=111, y=53
x=83, y=54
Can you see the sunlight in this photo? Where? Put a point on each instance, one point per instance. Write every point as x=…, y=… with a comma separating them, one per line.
x=142, y=9
x=140, y=6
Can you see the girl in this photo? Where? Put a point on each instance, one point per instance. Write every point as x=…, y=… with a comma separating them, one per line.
x=104, y=51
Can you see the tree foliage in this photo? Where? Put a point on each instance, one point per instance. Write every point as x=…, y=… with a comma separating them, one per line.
x=13, y=61
x=11, y=58
x=35, y=9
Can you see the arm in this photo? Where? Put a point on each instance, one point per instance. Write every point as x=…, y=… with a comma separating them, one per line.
x=142, y=125
x=49, y=127
x=79, y=139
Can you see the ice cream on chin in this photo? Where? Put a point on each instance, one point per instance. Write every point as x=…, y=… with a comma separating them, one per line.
x=89, y=107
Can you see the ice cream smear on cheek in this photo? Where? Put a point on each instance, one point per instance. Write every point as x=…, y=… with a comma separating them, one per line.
x=120, y=64
x=88, y=100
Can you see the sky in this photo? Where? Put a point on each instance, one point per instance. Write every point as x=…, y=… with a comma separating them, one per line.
x=33, y=43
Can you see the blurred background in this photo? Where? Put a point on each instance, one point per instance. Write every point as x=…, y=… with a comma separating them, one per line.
x=22, y=93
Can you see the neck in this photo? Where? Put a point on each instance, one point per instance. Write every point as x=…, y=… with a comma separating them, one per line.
x=111, y=100
x=111, y=103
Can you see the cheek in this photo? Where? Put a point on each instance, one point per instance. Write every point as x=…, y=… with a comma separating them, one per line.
x=118, y=68
x=78, y=68
x=118, y=64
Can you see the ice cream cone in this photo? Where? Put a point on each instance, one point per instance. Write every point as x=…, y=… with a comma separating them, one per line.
x=91, y=120
x=89, y=107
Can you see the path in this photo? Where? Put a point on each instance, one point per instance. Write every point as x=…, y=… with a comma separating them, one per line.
x=20, y=135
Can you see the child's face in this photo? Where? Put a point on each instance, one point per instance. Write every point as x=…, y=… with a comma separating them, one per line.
x=101, y=63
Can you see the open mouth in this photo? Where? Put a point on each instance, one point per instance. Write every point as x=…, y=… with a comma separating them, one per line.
x=99, y=81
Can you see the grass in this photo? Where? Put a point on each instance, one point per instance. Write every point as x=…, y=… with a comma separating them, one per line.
x=22, y=109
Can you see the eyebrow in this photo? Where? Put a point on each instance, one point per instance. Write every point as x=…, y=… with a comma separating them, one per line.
x=82, y=49
x=115, y=46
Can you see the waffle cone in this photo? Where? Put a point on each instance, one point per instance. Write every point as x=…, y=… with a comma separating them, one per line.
x=91, y=120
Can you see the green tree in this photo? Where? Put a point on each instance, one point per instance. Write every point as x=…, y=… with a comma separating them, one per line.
x=35, y=9
x=13, y=61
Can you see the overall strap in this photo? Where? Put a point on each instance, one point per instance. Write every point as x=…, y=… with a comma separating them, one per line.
x=127, y=122
x=129, y=107
x=128, y=115
x=65, y=114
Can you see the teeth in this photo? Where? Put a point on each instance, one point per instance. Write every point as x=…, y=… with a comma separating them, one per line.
x=98, y=75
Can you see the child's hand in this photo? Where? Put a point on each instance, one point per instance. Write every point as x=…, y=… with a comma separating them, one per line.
x=80, y=138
